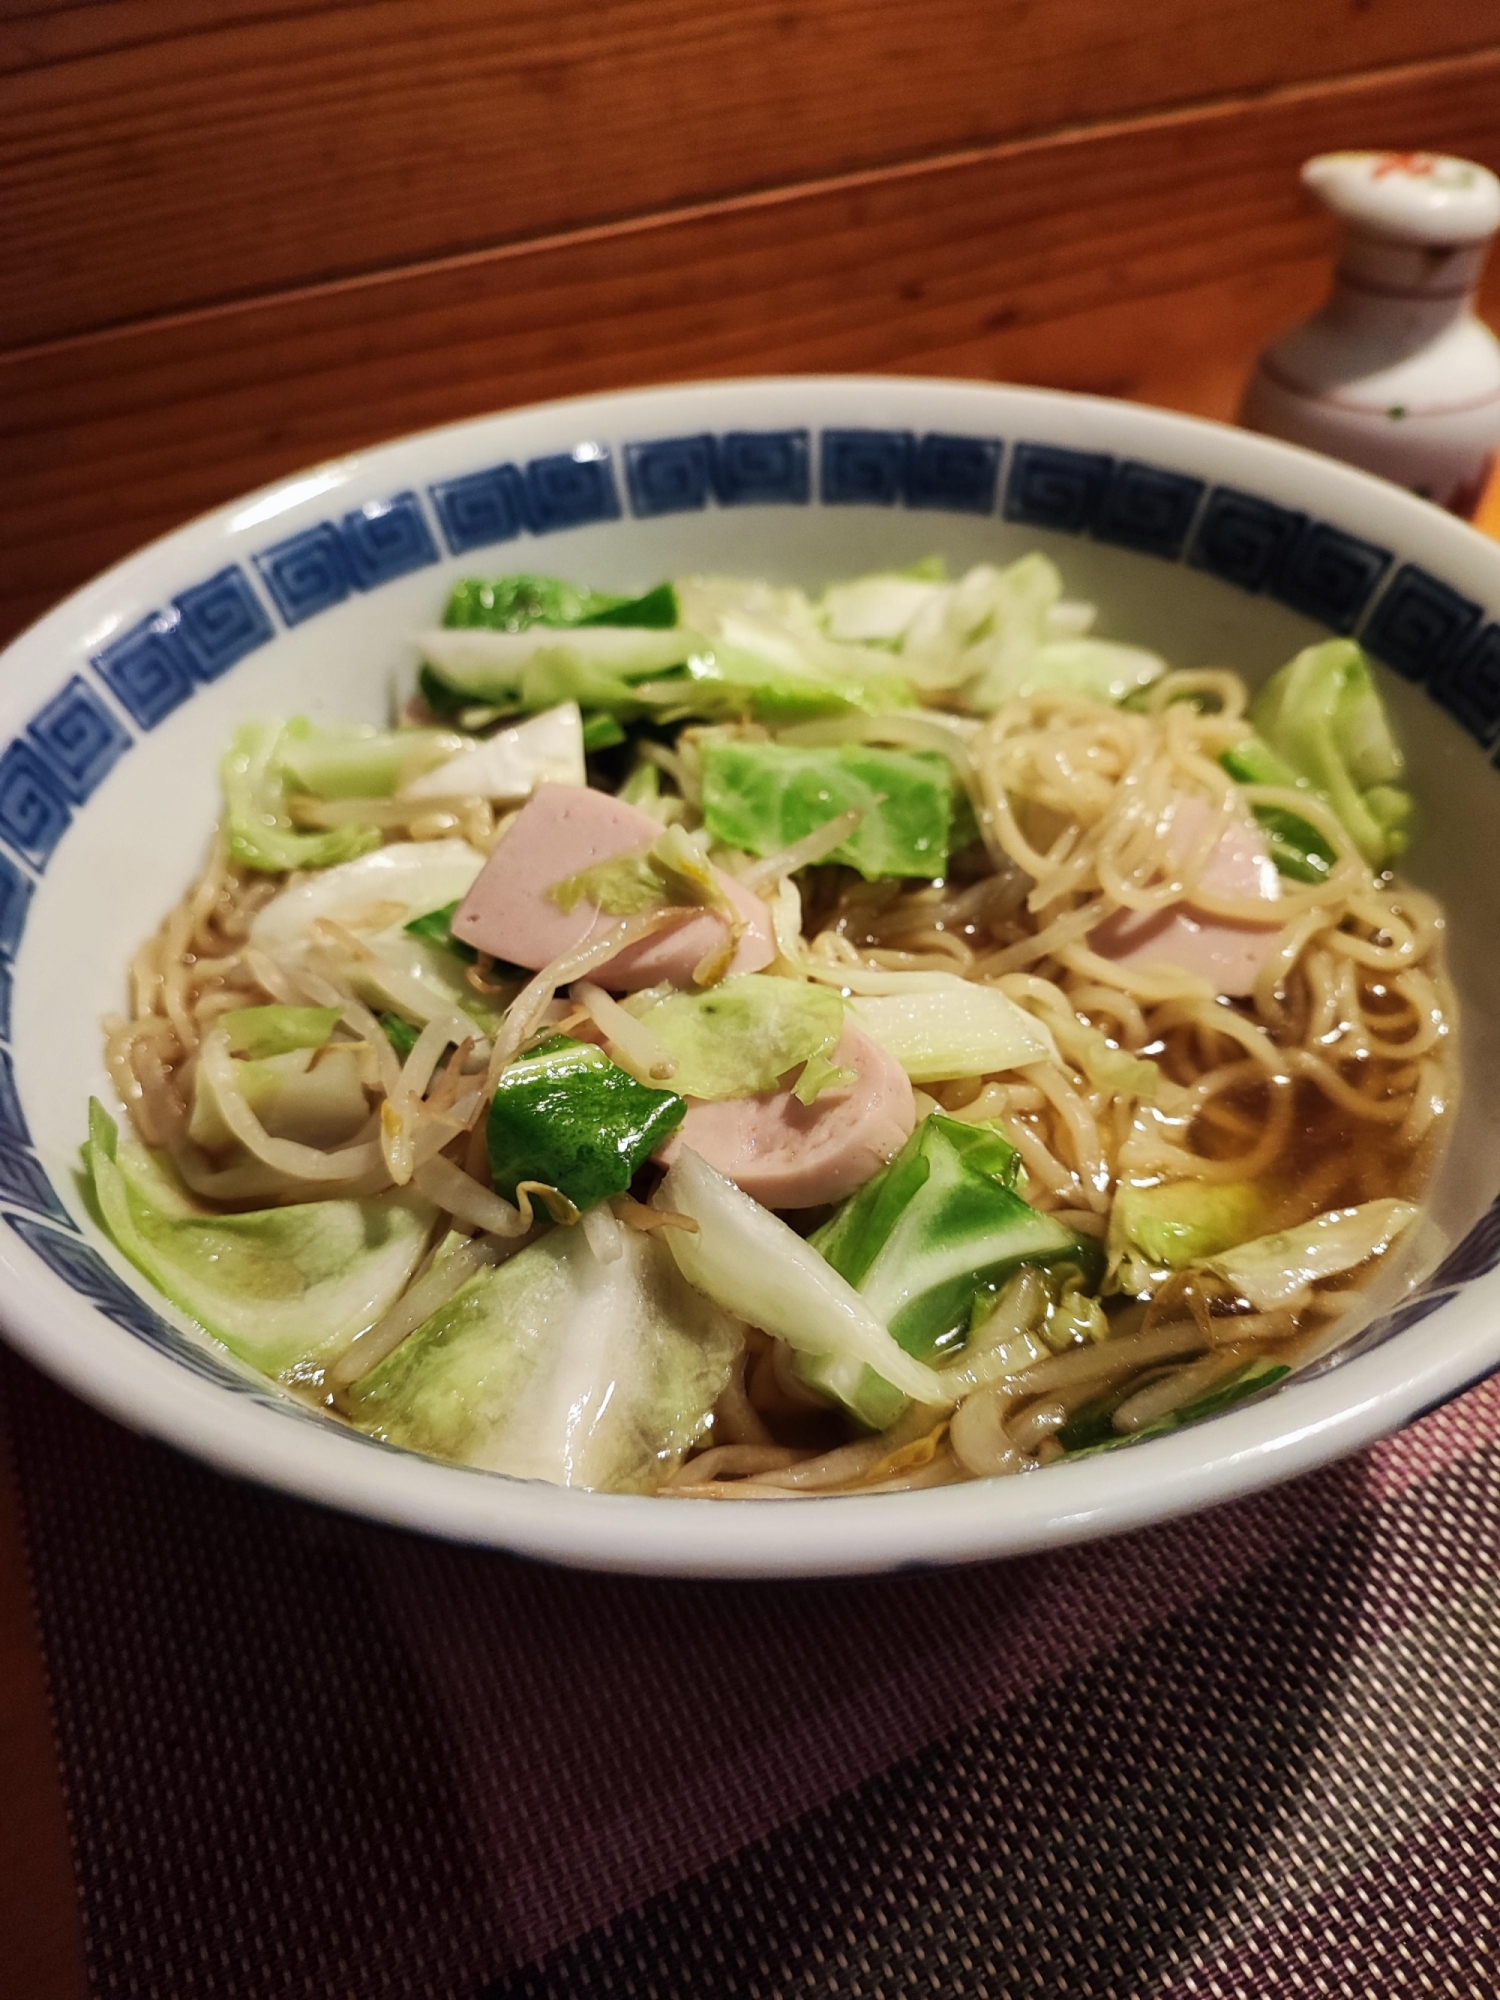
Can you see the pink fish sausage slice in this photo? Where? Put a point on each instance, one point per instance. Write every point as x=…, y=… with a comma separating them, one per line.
x=791, y=1155
x=562, y=830
x=1227, y=953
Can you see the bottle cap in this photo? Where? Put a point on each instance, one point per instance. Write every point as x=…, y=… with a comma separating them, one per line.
x=1415, y=198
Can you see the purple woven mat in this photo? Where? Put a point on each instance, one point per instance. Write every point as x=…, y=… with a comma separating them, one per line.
x=1254, y=1753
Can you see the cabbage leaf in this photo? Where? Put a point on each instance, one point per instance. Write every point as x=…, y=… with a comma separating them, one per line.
x=567, y=1116
x=1091, y=1429
x=1155, y=1230
x=1279, y=1270
x=556, y=1366
x=752, y=1263
x=314, y=1096
x=743, y=1036
x=514, y=603
x=352, y=760
x=954, y=1029
x=762, y=797
x=259, y=828
x=1323, y=715
x=667, y=675
x=672, y=872
x=508, y=766
x=416, y=975
x=286, y=1289
x=927, y=1243
x=273, y=1031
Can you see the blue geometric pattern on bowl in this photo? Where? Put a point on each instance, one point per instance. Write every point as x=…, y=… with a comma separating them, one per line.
x=1145, y=508
x=23, y=1182
x=1477, y=1253
x=1244, y=539
x=1330, y=576
x=386, y=539
x=1419, y=625
x=957, y=474
x=307, y=572
x=221, y=621
x=84, y=1270
x=863, y=468
x=80, y=739
x=569, y=489
x=34, y=814
x=148, y=669
x=21, y=1177
x=762, y=469
x=12, y=1117
x=15, y=901
x=669, y=475
x=1051, y=486
x=480, y=508
x=1470, y=688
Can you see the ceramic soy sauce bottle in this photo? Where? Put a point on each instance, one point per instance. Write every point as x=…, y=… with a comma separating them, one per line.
x=1395, y=373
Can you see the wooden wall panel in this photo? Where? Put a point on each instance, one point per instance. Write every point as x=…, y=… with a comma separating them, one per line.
x=157, y=155
x=1148, y=261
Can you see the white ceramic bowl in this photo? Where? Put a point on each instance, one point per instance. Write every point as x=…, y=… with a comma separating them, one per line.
x=1207, y=543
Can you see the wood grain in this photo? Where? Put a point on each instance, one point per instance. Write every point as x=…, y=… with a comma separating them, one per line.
x=157, y=155
x=1148, y=261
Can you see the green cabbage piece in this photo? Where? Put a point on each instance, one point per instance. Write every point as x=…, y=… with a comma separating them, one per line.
x=556, y=1366
x=532, y=668
x=1103, y=669
x=272, y=1031
x=1154, y=1230
x=820, y=1073
x=259, y=827
x=401, y=1035
x=878, y=609
x=714, y=649
x=513, y=603
x=569, y=1117
x=1295, y=844
x=1322, y=714
x=939, y=1028
x=1091, y=1429
x=1277, y=1270
x=354, y=761
x=673, y=872
x=315, y=1096
x=436, y=927
x=761, y=797
x=649, y=673
x=601, y=732
x=286, y=1289
x=992, y=634
x=746, y=1033
x=753, y=1264
x=926, y=1242
x=656, y=608
x=982, y=632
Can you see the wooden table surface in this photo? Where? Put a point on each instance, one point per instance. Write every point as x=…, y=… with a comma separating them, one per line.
x=238, y=238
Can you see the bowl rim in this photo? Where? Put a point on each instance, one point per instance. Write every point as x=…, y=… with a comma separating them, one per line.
x=1316, y=1418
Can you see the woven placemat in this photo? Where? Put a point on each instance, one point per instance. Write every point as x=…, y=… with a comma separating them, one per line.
x=1253, y=1753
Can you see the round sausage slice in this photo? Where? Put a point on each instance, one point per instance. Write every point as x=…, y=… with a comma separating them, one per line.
x=562, y=830
x=1228, y=953
x=791, y=1155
